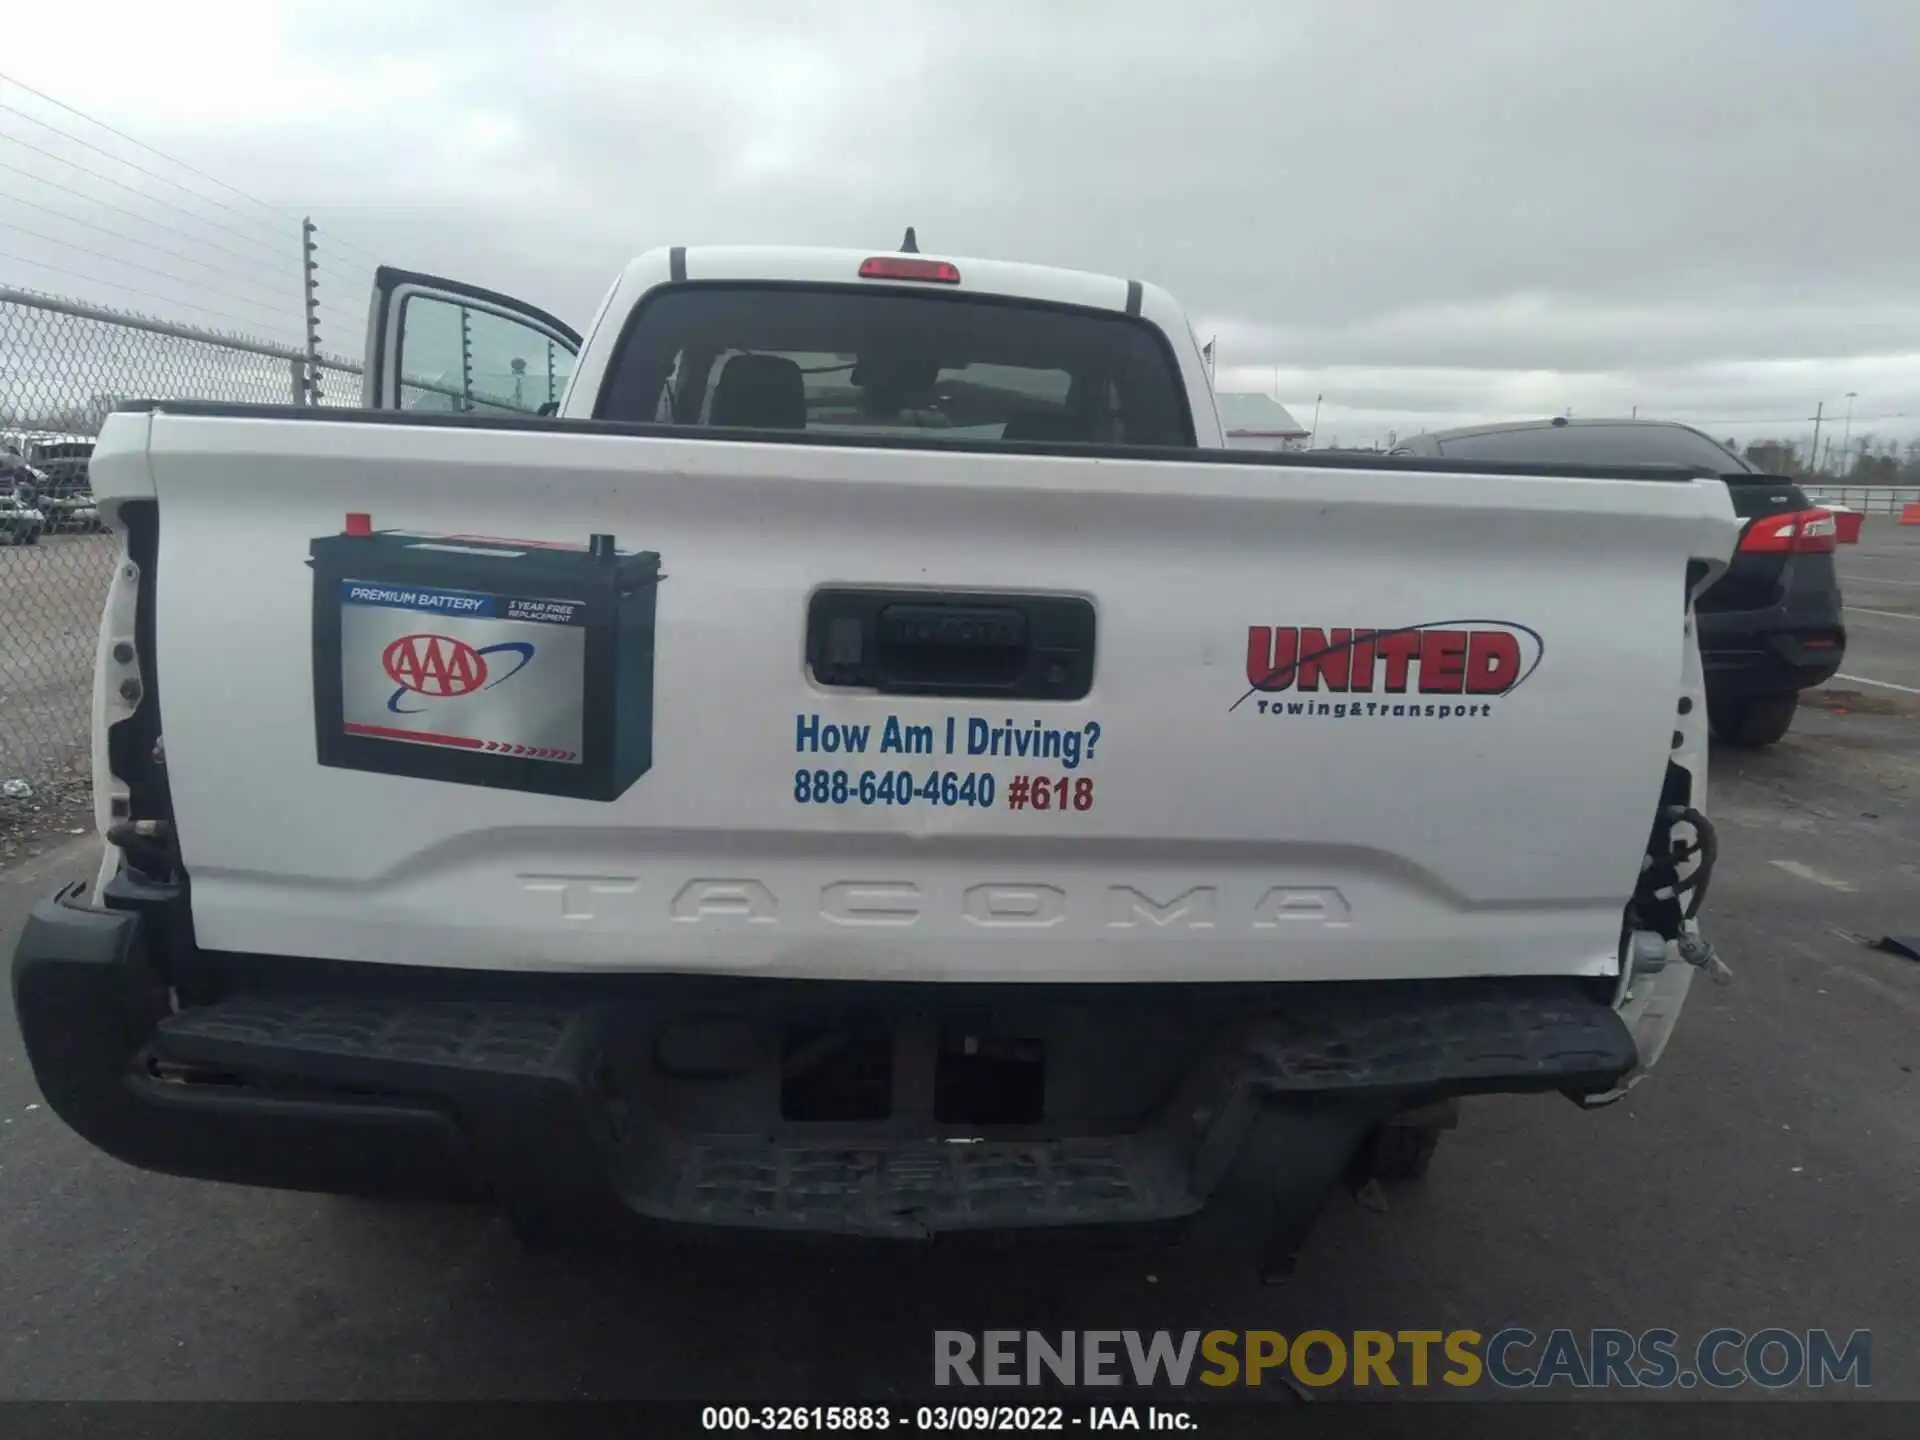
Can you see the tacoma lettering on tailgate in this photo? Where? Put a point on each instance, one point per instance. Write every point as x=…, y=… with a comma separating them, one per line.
x=1005, y=904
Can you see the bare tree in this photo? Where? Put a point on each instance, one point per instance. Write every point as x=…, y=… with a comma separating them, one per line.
x=1774, y=457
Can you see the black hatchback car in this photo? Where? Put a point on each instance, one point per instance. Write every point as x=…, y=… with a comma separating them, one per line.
x=1771, y=626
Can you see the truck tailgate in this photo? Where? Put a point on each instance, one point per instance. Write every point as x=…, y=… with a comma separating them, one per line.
x=1341, y=723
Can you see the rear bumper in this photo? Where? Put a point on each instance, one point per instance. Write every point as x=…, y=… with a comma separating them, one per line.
x=443, y=1093
x=1746, y=654
x=90, y=1005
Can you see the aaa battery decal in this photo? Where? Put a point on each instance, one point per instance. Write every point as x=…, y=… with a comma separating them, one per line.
x=496, y=674
x=954, y=761
x=513, y=665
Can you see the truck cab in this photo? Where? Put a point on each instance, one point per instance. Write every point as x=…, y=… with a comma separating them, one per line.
x=1136, y=376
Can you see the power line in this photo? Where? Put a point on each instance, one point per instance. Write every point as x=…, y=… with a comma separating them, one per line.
x=344, y=328
x=282, y=274
x=130, y=289
x=135, y=265
x=354, y=310
x=356, y=286
x=330, y=256
x=144, y=243
x=122, y=160
x=170, y=159
x=335, y=240
x=332, y=287
x=131, y=190
x=344, y=275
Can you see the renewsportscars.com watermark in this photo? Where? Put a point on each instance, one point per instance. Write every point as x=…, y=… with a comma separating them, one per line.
x=1509, y=1359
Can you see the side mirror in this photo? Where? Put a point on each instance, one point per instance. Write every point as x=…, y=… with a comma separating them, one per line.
x=552, y=407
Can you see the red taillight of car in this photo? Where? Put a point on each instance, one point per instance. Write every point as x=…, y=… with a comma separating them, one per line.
x=902, y=267
x=1798, y=532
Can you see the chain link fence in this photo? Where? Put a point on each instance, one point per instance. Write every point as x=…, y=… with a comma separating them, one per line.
x=64, y=366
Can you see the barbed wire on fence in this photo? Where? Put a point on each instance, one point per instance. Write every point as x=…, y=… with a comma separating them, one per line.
x=226, y=296
x=224, y=268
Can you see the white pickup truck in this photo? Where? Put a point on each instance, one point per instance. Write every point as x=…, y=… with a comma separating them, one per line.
x=871, y=762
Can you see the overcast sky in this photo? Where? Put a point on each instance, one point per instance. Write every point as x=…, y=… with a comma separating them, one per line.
x=1427, y=212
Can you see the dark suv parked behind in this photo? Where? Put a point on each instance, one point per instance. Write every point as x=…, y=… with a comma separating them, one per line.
x=1771, y=626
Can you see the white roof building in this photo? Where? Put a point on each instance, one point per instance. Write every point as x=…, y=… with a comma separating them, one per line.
x=1258, y=422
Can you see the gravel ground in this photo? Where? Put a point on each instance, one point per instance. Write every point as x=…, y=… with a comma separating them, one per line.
x=55, y=806
x=50, y=597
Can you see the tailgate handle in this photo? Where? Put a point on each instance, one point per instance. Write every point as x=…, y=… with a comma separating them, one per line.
x=896, y=642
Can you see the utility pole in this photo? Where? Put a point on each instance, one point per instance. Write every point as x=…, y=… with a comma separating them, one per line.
x=311, y=272
x=1813, y=452
x=1846, y=435
x=1314, y=429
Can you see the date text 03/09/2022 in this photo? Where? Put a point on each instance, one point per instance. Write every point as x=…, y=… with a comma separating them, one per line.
x=938, y=1419
x=898, y=781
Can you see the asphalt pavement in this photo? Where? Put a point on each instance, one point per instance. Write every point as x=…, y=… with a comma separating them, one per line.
x=1767, y=1175
x=1880, y=585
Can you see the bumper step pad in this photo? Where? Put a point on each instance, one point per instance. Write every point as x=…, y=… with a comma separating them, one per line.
x=918, y=1187
x=443, y=1093
x=324, y=1038
x=1471, y=1036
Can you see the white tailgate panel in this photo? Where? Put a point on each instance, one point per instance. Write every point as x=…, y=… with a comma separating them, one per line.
x=1221, y=843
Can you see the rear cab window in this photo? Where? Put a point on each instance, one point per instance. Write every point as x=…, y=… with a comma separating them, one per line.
x=831, y=360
